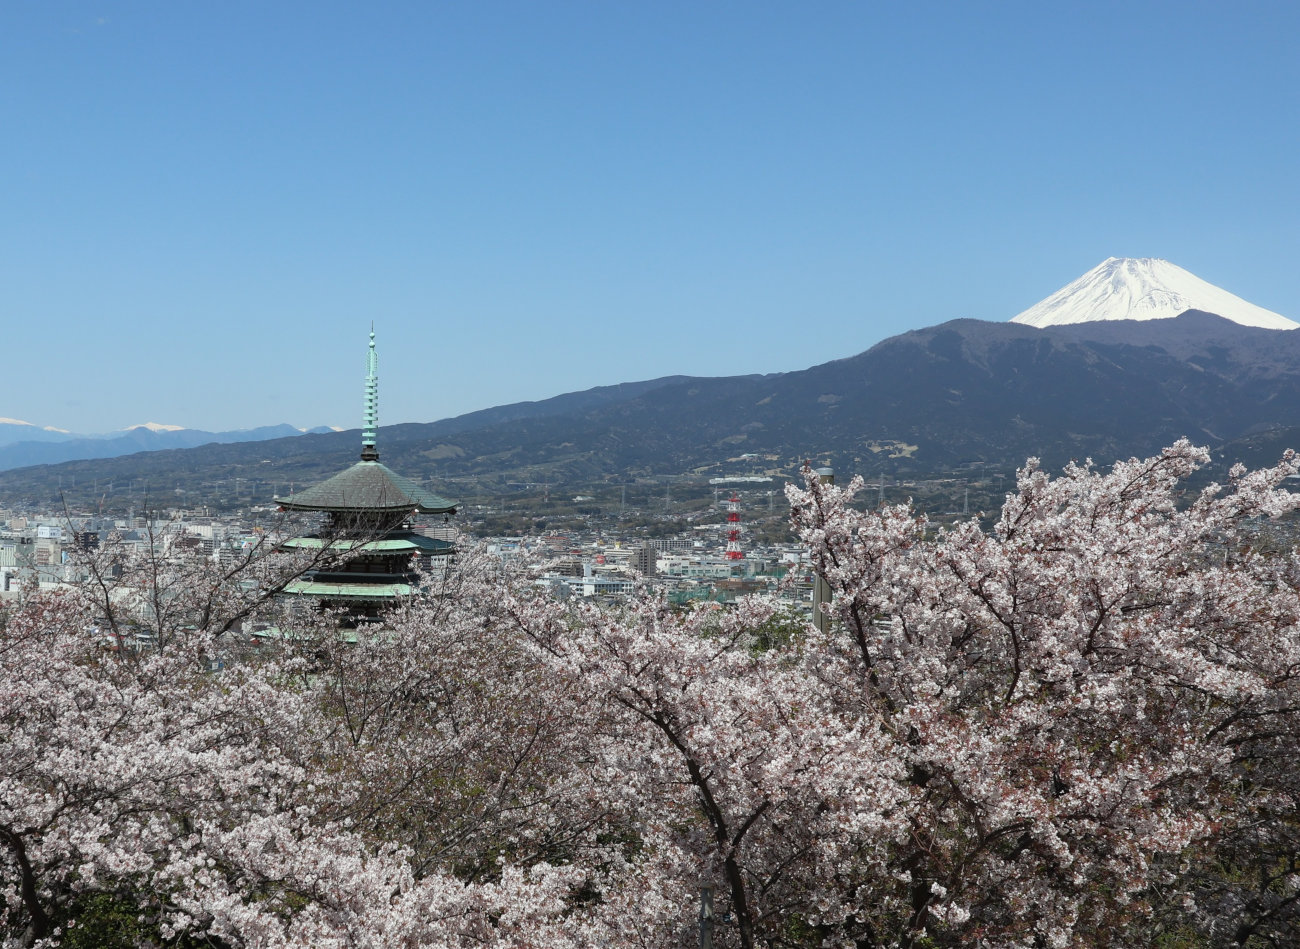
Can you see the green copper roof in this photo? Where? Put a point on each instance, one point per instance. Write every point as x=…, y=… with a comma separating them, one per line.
x=367, y=486
x=411, y=542
x=371, y=422
x=355, y=591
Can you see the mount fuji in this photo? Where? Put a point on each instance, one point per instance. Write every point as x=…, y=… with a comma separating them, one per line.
x=1144, y=288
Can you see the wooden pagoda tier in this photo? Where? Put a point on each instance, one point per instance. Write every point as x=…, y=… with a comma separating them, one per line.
x=370, y=570
x=377, y=556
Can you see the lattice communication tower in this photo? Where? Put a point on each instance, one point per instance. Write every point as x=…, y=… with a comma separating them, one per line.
x=733, y=529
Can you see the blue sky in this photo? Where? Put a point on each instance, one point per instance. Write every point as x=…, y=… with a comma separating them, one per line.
x=203, y=206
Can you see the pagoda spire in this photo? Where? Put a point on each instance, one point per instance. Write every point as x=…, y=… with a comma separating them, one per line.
x=368, y=450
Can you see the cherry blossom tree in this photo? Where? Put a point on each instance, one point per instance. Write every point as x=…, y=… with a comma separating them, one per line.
x=1078, y=727
x=201, y=794
x=1082, y=699
x=119, y=768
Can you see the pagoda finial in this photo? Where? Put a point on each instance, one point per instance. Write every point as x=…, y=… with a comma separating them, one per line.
x=368, y=450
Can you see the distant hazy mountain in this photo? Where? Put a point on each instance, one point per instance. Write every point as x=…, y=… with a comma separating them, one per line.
x=1143, y=288
x=23, y=444
x=156, y=427
x=16, y=430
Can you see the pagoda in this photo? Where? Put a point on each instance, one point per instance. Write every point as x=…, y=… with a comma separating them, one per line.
x=375, y=554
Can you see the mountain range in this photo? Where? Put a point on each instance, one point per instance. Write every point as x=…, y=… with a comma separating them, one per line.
x=23, y=443
x=963, y=393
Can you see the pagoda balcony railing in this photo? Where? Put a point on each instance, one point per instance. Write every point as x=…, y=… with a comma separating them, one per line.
x=379, y=579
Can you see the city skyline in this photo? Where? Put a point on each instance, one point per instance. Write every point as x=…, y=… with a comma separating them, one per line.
x=204, y=209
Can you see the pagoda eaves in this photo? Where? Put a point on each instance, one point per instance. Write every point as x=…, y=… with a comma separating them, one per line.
x=367, y=486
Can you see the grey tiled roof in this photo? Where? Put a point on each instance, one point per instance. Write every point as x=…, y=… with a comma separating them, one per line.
x=367, y=486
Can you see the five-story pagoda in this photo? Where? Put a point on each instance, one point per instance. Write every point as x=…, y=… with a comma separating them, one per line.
x=368, y=529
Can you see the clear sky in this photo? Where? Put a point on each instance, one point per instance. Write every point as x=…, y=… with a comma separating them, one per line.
x=204, y=205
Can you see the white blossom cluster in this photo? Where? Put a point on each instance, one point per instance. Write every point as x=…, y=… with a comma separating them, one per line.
x=1077, y=729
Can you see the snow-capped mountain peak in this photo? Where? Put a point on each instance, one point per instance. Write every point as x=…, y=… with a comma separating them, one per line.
x=1144, y=288
x=155, y=427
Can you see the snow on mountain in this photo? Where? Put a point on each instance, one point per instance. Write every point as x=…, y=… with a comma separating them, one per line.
x=1144, y=288
x=20, y=430
x=155, y=427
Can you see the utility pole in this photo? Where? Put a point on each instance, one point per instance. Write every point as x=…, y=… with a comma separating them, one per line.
x=822, y=589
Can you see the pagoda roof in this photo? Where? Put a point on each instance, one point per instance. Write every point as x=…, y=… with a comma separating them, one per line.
x=367, y=486
x=351, y=591
x=415, y=543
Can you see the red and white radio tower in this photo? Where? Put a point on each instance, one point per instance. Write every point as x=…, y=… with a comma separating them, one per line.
x=733, y=529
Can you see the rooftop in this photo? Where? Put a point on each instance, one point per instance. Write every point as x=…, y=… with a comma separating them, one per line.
x=367, y=486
